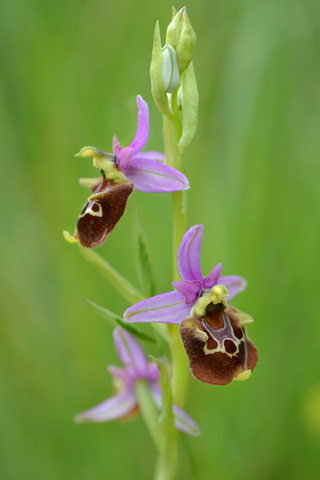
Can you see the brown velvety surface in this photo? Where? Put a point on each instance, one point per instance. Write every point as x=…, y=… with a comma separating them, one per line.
x=217, y=368
x=92, y=230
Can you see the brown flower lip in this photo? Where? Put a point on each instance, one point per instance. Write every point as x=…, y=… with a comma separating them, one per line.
x=102, y=212
x=218, y=348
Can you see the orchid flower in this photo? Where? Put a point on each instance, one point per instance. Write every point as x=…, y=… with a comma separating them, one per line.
x=124, y=170
x=125, y=403
x=213, y=333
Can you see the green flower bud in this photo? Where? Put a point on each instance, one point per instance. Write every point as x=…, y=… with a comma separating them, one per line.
x=157, y=83
x=189, y=107
x=175, y=27
x=170, y=71
x=186, y=44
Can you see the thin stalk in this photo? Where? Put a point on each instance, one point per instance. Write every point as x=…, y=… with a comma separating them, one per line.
x=172, y=133
x=180, y=370
x=148, y=410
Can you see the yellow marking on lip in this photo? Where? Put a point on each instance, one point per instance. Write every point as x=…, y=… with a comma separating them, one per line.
x=221, y=349
x=69, y=238
x=89, y=211
x=244, y=375
x=89, y=182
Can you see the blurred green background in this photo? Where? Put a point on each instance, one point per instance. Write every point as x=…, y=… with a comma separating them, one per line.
x=70, y=71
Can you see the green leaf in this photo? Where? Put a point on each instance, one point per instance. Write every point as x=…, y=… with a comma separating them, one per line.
x=121, y=284
x=145, y=270
x=168, y=452
x=113, y=319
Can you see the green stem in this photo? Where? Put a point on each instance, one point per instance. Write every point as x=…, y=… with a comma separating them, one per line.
x=180, y=370
x=172, y=133
x=148, y=410
x=121, y=284
x=172, y=130
x=179, y=226
x=167, y=461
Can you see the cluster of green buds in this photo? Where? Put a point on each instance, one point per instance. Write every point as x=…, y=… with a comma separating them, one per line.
x=173, y=82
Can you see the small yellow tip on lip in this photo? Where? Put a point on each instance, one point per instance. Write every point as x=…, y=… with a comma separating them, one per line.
x=244, y=375
x=69, y=238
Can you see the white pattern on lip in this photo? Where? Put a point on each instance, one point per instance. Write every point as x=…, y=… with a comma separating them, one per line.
x=220, y=335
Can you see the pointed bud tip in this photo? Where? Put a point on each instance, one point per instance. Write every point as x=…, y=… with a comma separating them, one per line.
x=186, y=44
x=174, y=28
x=157, y=36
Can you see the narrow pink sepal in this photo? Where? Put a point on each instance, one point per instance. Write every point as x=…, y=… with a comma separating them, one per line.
x=190, y=290
x=148, y=175
x=165, y=308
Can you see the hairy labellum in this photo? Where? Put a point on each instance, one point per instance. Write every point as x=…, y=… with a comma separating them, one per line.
x=102, y=212
x=218, y=348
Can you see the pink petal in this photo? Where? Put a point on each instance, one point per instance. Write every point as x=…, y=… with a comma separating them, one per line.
x=121, y=374
x=190, y=290
x=165, y=308
x=151, y=176
x=124, y=156
x=153, y=372
x=213, y=277
x=188, y=258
